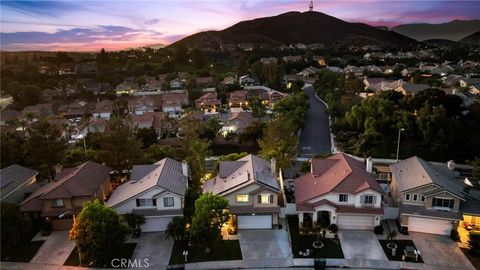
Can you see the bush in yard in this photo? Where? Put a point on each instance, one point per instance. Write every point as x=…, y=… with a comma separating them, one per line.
x=454, y=235
x=176, y=228
x=378, y=229
x=14, y=226
x=474, y=243
x=333, y=228
x=99, y=233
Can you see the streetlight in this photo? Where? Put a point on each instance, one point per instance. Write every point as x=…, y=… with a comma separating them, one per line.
x=78, y=248
x=398, y=143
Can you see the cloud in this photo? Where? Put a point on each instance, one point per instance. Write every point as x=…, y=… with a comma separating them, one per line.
x=151, y=22
x=40, y=8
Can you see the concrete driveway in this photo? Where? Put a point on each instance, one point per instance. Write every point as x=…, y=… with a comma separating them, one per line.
x=156, y=248
x=361, y=244
x=440, y=250
x=260, y=244
x=55, y=250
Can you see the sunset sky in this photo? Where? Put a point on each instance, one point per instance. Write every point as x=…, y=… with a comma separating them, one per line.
x=91, y=25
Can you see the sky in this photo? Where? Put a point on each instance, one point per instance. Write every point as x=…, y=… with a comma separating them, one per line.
x=77, y=25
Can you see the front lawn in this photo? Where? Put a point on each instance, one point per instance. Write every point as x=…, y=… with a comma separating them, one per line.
x=125, y=253
x=401, y=244
x=222, y=250
x=300, y=243
x=23, y=253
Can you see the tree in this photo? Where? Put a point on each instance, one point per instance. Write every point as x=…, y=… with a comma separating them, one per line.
x=134, y=221
x=12, y=146
x=209, y=129
x=158, y=152
x=197, y=151
x=241, y=67
x=258, y=108
x=120, y=148
x=210, y=214
x=176, y=229
x=148, y=136
x=99, y=233
x=15, y=227
x=45, y=147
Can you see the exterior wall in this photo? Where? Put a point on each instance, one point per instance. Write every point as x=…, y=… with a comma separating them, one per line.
x=246, y=190
x=377, y=200
x=269, y=192
x=79, y=201
x=353, y=199
x=131, y=204
x=428, y=200
x=177, y=201
x=48, y=205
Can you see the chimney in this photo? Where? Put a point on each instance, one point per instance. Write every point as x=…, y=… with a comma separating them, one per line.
x=451, y=165
x=185, y=168
x=369, y=165
x=273, y=166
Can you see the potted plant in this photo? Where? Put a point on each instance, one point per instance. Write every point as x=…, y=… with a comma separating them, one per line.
x=333, y=228
x=390, y=237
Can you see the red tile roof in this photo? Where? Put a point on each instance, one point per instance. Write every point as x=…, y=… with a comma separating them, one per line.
x=338, y=173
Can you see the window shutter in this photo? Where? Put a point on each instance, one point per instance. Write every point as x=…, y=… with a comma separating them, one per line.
x=259, y=198
x=434, y=201
x=154, y=202
x=271, y=198
x=374, y=200
x=362, y=199
x=138, y=202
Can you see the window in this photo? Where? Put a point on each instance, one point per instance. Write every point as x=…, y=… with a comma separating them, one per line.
x=441, y=202
x=407, y=197
x=422, y=198
x=168, y=202
x=368, y=199
x=241, y=198
x=57, y=203
x=265, y=198
x=146, y=202
x=415, y=197
x=343, y=198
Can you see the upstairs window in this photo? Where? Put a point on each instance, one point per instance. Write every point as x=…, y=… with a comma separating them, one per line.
x=343, y=198
x=415, y=197
x=146, y=202
x=407, y=197
x=442, y=202
x=265, y=198
x=368, y=199
x=168, y=202
x=58, y=203
x=241, y=198
x=422, y=198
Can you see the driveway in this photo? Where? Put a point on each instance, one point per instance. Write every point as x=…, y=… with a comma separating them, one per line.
x=315, y=136
x=261, y=244
x=156, y=248
x=440, y=250
x=361, y=244
x=55, y=250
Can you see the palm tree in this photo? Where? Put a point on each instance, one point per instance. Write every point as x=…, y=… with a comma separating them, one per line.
x=390, y=237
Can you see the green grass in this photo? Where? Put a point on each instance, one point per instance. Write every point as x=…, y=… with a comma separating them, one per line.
x=222, y=250
x=23, y=253
x=125, y=253
x=332, y=248
x=401, y=244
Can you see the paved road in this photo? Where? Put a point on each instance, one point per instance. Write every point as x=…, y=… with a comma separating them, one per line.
x=315, y=137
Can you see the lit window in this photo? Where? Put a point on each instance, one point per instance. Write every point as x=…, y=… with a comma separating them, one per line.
x=265, y=198
x=168, y=202
x=242, y=198
x=343, y=198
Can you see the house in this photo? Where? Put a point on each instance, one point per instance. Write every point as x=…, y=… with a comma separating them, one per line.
x=427, y=195
x=411, y=88
x=267, y=95
x=251, y=188
x=204, y=81
x=173, y=102
x=309, y=71
x=9, y=116
x=78, y=108
x=451, y=80
x=176, y=84
x=155, y=120
x=320, y=60
x=269, y=60
x=237, y=122
x=51, y=94
x=246, y=80
x=408, y=71
x=339, y=190
x=103, y=109
x=475, y=89
x=141, y=104
x=467, y=82
x=17, y=182
x=156, y=191
x=209, y=101
x=238, y=98
x=380, y=84
x=292, y=58
x=38, y=111
x=93, y=126
x=126, y=87
x=229, y=80
x=67, y=193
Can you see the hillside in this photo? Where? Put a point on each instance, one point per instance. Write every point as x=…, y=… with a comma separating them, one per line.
x=473, y=39
x=297, y=27
x=454, y=30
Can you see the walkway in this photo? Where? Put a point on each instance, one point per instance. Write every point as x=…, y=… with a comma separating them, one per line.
x=55, y=250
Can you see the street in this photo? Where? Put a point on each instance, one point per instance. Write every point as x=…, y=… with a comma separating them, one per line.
x=315, y=136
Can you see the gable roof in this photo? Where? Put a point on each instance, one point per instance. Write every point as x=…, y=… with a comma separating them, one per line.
x=234, y=175
x=81, y=181
x=166, y=174
x=339, y=173
x=12, y=177
x=415, y=172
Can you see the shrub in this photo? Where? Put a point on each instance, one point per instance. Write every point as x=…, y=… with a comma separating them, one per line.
x=378, y=229
x=333, y=228
x=454, y=235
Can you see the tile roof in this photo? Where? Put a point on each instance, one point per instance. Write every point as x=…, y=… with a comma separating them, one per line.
x=338, y=173
x=416, y=172
x=234, y=175
x=166, y=174
x=12, y=177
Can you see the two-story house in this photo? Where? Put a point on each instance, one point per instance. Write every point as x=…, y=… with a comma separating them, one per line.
x=338, y=190
x=155, y=191
x=251, y=188
x=16, y=182
x=428, y=198
x=64, y=197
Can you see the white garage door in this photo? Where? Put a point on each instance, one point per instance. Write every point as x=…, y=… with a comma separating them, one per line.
x=156, y=224
x=355, y=222
x=254, y=222
x=428, y=225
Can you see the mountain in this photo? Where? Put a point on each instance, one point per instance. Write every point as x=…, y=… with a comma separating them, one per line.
x=454, y=30
x=440, y=42
x=473, y=39
x=297, y=27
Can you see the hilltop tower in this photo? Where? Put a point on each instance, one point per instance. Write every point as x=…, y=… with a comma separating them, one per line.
x=310, y=6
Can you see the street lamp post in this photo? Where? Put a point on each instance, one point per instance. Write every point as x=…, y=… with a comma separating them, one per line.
x=78, y=248
x=398, y=143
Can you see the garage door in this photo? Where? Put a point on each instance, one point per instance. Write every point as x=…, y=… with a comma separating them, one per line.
x=156, y=224
x=428, y=225
x=254, y=222
x=355, y=222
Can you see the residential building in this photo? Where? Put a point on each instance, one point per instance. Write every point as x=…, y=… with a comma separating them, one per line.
x=155, y=120
x=17, y=182
x=64, y=197
x=173, y=102
x=176, y=84
x=237, y=122
x=103, y=109
x=339, y=190
x=238, y=98
x=246, y=80
x=156, y=191
x=141, y=104
x=411, y=88
x=467, y=82
x=309, y=72
x=251, y=188
x=208, y=102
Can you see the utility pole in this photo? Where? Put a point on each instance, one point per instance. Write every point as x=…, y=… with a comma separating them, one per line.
x=398, y=143
x=310, y=7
